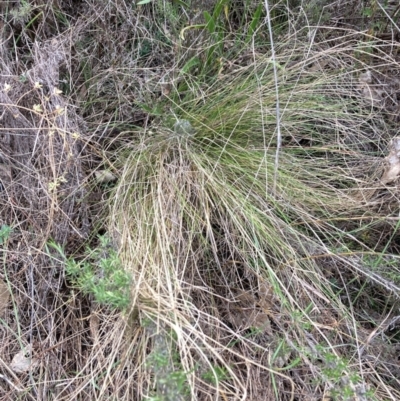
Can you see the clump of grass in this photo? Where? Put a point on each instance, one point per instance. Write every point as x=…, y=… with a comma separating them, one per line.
x=261, y=276
x=205, y=213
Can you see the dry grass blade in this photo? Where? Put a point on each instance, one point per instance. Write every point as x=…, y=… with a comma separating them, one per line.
x=4, y=296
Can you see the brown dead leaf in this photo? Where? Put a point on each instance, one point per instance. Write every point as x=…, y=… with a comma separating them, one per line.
x=392, y=162
x=22, y=362
x=266, y=301
x=94, y=324
x=319, y=65
x=104, y=176
x=259, y=320
x=247, y=298
x=4, y=297
x=283, y=359
x=249, y=317
x=266, y=291
x=368, y=89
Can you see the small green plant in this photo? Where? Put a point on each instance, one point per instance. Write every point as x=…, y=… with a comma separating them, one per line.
x=5, y=232
x=378, y=15
x=23, y=12
x=336, y=371
x=384, y=265
x=100, y=274
x=170, y=380
x=215, y=375
x=220, y=31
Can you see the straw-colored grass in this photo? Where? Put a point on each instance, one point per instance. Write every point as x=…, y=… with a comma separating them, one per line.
x=221, y=242
x=169, y=230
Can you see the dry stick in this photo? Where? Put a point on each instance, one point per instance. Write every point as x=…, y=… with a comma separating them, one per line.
x=278, y=126
x=10, y=383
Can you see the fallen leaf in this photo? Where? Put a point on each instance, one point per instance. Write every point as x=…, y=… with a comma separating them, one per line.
x=104, y=176
x=245, y=297
x=259, y=320
x=266, y=291
x=319, y=65
x=22, y=362
x=368, y=89
x=392, y=170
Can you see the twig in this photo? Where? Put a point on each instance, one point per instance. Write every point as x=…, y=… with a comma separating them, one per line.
x=10, y=382
x=278, y=117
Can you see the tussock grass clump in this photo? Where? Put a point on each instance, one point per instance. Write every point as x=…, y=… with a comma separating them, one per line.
x=235, y=256
x=249, y=250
